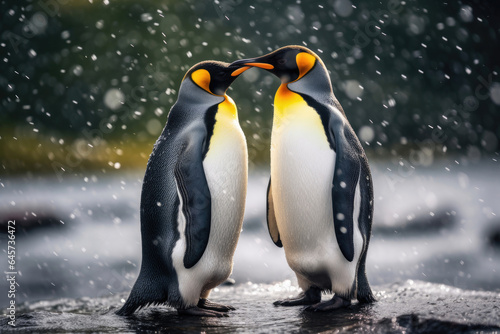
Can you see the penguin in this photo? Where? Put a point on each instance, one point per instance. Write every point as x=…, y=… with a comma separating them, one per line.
x=320, y=193
x=193, y=197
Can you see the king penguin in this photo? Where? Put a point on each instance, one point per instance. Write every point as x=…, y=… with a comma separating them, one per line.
x=193, y=197
x=320, y=194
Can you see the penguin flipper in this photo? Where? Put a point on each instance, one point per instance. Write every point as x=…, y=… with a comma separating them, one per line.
x=345, y=180
x=272, y=225
x=364, y=292
x=195, y=194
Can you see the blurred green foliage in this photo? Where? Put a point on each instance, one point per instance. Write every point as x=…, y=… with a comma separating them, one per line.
x=88, y=84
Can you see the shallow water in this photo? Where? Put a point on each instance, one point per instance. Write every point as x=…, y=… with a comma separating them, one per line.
x=433, y=225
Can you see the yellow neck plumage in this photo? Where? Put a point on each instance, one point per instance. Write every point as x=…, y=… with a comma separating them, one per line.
x=226, y=127
x=227, y=108
x=287, y=103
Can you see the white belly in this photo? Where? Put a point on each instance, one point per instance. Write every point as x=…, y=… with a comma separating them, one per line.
x=302, y=165
x=225, y=167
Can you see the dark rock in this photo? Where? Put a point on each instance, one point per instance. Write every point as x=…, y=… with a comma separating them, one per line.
x=30, y=220
x=494, y=236
x=411, y=323
x=230, y=281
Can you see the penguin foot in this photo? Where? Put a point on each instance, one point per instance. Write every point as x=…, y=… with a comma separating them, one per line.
x=311, y=296
x=200, y=312
x=208, y=305
x=333, y=304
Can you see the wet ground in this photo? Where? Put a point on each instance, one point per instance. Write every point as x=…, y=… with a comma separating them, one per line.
x=408, y=307
x=78, y=254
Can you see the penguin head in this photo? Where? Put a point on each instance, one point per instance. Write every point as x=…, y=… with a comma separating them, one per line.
x=289, y=63
x=213, y=77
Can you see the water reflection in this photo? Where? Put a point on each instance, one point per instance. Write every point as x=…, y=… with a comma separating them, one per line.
x=343, y=319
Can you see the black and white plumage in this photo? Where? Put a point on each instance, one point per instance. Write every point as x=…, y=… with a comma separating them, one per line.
x=193, y=197
x=320, y=195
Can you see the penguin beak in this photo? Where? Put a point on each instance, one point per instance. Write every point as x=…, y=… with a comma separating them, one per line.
x=247, y=63
x=239, y=71
x=261, y=65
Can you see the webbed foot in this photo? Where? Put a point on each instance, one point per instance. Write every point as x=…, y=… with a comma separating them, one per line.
x=309, y=297
x=208, y=305
x=333, y=304
x=200, y=312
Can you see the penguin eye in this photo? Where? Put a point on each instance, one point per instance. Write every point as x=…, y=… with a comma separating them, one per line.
x=282, y=61
x=220, y=74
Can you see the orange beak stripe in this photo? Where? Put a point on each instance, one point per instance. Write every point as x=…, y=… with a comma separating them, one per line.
x=261, y=65
x=239, y=71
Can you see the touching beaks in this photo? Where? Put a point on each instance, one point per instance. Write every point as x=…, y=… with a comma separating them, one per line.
x=261, y=65
x=239, y=71
x=247, y=63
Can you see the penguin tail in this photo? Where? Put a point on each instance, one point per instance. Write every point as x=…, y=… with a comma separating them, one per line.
x=144, y=293
x=135, y=301
x=130, y=306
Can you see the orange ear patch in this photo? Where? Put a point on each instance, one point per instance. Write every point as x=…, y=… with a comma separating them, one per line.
x=202, y=78
x=305, y=63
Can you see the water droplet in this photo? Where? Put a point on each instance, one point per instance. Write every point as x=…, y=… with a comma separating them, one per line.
x=366, y=133
x=343, y=8
x=466, y=14
x=114, y=98
x=495, y=93
x=353, y=89
x=146, y=17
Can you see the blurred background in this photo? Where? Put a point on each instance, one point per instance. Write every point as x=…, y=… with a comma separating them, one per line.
x=86, y=87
